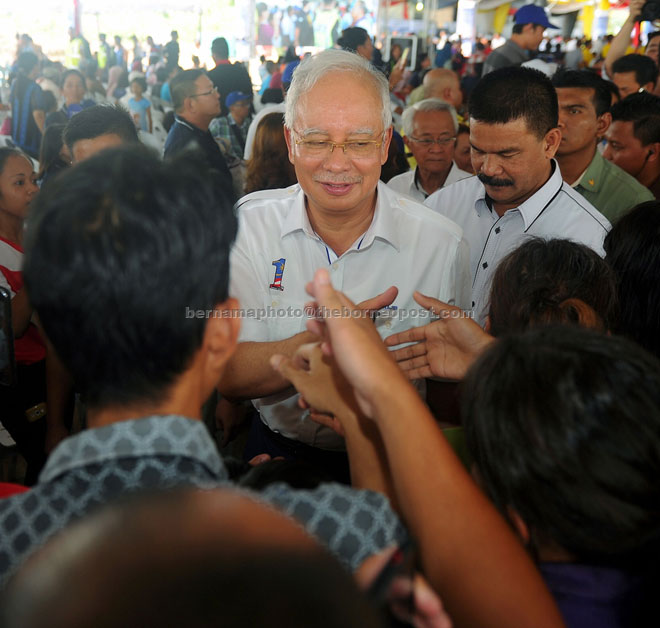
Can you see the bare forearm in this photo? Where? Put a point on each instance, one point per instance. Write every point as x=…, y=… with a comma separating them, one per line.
x=249, y=375
x=619, y=44
x=21, y=312
x=468, y=551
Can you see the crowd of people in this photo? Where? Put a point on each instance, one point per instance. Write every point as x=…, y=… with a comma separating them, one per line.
x=394, y=335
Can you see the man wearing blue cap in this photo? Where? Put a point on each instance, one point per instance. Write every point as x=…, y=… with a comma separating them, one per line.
x=530, y=23
x=232, y=129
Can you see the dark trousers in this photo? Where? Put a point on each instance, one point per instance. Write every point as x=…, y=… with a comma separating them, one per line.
x=262, y=440
x=30, y=436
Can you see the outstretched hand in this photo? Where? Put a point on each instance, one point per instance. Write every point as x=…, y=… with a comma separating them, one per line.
x=444, y=348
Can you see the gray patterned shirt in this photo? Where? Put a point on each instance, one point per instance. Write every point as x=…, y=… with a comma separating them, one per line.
x=159, y=452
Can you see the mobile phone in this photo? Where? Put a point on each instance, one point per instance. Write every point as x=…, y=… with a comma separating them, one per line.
x=404, y=58
x=7, y=360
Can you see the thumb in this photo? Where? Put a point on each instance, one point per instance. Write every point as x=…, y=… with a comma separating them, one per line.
x=380, y=301
x=435, y=306
x=286, y=368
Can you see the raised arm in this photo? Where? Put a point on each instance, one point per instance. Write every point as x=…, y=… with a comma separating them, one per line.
x=469, y=554
x=621, y=41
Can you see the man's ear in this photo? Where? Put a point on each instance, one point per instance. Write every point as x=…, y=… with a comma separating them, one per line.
x=551, y=141
x=649, y=87
x=289, y=143
x=384, y=149
x=221, y=334
x=603, y=123
x=653, y=151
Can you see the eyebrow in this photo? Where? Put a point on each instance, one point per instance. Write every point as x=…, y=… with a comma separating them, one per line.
x=573, y=106
x=510, y=149
x=317, y=131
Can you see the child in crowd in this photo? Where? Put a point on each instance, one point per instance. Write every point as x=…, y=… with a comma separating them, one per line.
x=139, y=106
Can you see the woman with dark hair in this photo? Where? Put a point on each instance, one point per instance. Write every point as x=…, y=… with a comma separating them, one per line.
x=73, y=92
x=269, y=167
x=632, y=251
x=356, y=39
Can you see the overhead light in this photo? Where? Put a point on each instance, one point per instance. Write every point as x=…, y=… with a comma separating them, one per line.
x=419, y=7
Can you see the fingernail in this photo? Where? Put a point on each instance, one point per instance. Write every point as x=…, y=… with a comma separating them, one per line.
x=322, y=277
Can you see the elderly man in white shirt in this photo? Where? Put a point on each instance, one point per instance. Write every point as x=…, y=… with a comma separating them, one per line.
x=372, y=240
x=518, y=189
x=430, y=128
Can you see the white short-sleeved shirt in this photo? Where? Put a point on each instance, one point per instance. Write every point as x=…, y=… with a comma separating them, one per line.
x=555, y=211
x=408, y=184
x=277, y=252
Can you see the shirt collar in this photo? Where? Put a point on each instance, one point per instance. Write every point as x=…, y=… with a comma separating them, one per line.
x=593, y=176
x=188, y=125
x=535, y=204
x=383, y=225
x=149, y=436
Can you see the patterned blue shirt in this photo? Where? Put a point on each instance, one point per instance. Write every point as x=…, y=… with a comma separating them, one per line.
x=99, y=465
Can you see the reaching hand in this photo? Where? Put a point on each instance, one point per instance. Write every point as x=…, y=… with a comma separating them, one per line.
x=444, y=348
x=635, y=8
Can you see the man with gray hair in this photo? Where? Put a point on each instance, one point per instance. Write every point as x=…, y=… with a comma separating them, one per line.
x=379, y=247
x=430, y=128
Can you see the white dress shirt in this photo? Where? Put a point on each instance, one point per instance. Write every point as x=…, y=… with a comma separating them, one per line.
x=554, y=211
x=277, y=252
x=407, y=183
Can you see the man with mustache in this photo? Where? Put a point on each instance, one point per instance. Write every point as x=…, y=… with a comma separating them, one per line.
x=378, y=246
x=518, y=191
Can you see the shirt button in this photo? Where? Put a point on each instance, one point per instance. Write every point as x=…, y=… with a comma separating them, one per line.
x=335, y=266
x=388, y=325
x=274, y=304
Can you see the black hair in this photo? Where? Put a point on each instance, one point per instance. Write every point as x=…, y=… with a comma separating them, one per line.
x=9, y=151
x=543, y=282
x=584, y=79
x=100, y=120
x=353, y=37
x=614, y=90
x=220, y=48
x=73, y=72
x=49, y=153
x=182, y=86
x=26, y=62
x=120, y=249
x=141, y=82
x=645, y=69
x=48, y=101
x=162, y=75
x=632, y=250
x=463, y=128
x=513, y=93
x=563, y=425
x=643, y=110
x=272, y=95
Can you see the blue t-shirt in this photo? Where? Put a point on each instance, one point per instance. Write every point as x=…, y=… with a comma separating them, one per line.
x=139, y=108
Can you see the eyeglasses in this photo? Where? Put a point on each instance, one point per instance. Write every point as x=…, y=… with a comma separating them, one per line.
x=443, y=142
x=212, y=91
x=355, y=149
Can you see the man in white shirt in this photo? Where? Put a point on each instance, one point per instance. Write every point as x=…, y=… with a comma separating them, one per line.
x=338, y=129
x=518, y=191
x=430, y=128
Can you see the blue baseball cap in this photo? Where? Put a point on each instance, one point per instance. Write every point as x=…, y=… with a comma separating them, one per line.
x=235, y=97
x=532, y=14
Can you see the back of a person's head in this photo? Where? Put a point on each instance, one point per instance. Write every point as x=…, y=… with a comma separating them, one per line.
x=563, y=425
x=220, y=48
x=585, y=79
x=199, y=570
x=545, y=282
x=645, y=69
x=515, y=93
x=182, y=86
x=118, y=247
x=353, y=37
x=51, y=147
x=269, y=167
x=26, y=62
x=632, y=250
x=100, y=120
x=643, y=110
